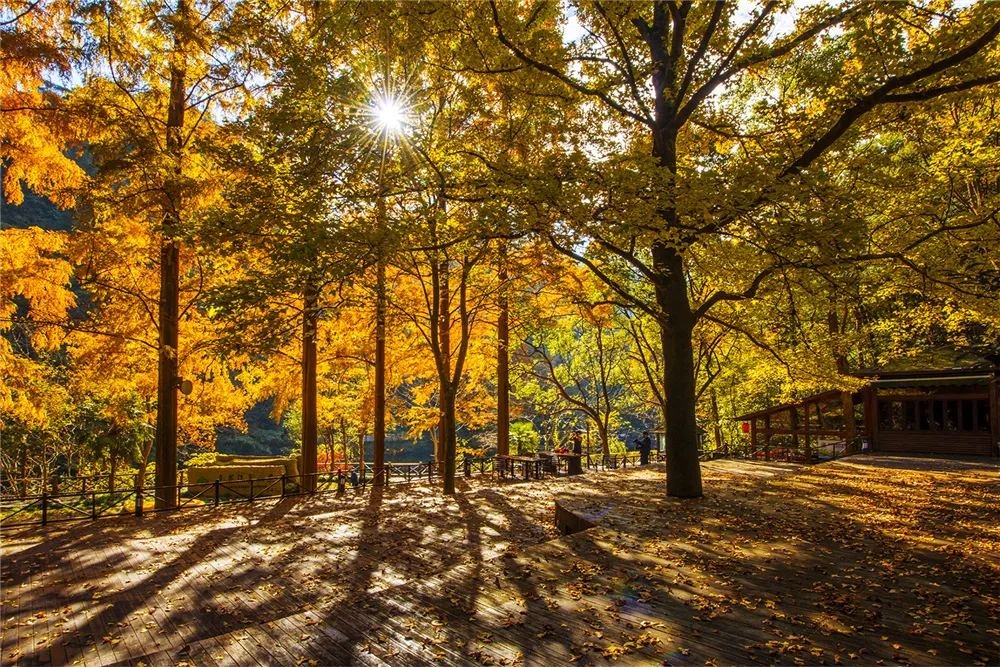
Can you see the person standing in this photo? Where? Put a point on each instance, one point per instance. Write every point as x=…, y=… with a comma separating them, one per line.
x=645, y=444
x=574, y=466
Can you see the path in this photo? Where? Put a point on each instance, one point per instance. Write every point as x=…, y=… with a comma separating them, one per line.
x=769, y=566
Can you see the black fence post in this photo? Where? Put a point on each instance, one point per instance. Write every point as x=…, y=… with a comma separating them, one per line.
x=45, y=506
x=282, y=485
x=430, y=469
x=138, y=503
x=251, y=489
x=340, y=481
x=468, y=467
x=93, y=505
x=216, y=484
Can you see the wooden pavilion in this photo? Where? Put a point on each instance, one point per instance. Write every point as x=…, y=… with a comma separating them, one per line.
x=949, y=411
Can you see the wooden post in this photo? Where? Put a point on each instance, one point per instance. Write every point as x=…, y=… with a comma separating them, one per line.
x=767, y=438
x=794, y=421
x=753, y=437
x=994, y=408
x=871, y=417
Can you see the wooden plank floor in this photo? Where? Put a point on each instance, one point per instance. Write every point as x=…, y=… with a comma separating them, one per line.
x=863, y=561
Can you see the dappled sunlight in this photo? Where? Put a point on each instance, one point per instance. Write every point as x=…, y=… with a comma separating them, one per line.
x=776, y=564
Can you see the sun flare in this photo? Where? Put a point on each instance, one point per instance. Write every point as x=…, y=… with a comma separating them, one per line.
x=389, y=116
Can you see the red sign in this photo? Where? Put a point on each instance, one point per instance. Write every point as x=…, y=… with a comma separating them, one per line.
x=746, y=427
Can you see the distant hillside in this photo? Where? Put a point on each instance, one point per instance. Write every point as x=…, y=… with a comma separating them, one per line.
x=36, y=212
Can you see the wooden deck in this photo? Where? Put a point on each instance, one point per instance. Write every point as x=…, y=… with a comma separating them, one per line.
x=856, y=562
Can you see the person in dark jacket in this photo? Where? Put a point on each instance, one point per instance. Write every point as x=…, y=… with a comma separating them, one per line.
x=645, y=444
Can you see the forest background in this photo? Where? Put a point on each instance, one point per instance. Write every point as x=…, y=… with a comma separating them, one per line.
x=615, y=210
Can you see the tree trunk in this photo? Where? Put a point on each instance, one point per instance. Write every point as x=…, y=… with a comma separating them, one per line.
x=446, y=418
x=683, y=469
x=602, y=433
x=503, y=359
x=309, y=417
x=140, y=478
x=24, y=468
x=716, y=426
x=846, y=398
x=380, y=308
x=343, y=439
x=450, y=441
x=331, y=446
x=166, y=394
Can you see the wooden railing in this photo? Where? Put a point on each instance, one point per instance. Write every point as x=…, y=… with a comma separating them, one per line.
x=18, y=488
x=800, y=454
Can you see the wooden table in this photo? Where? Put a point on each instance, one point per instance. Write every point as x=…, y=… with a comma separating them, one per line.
x=532, y=466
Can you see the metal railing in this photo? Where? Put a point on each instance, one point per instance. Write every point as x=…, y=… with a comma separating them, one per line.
x=62, y=499
x=87, y=501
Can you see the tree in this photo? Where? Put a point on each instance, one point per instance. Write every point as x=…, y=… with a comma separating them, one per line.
x=584, y=356
x=676, y=80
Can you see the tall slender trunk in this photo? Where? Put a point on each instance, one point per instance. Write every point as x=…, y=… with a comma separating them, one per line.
x=140, y=478
x=309, y=416
x=331, y=446
x=379, y=432
x=24, y=467
x=166, y=394
x=450, y=444
x=716, y=426
x=343, y=439
x=380, y=315
x=447, y=440
x=445, y=420
x=111, y=477
x=503, y=358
